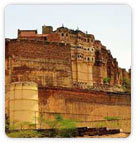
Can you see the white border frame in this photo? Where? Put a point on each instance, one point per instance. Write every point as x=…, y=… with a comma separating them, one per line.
x=4, y=138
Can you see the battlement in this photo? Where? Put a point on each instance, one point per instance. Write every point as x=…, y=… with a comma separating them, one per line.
x=17, y=85
x=61, y=34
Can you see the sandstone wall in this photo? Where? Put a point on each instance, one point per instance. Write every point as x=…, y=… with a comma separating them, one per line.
x=43, y=62
x=82, y=105
x=21, y=104
x=75, y=37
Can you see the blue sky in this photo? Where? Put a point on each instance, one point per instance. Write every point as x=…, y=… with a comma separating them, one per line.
x=111, y=24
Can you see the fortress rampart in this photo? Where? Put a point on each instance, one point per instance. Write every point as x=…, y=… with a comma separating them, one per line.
x=22, y=103
x=65, y=72
x=26, y=102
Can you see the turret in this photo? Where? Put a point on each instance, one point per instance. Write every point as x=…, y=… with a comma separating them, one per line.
x=47, y=29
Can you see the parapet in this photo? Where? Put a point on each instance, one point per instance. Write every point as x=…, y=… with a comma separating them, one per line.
x=22, y=85
x=25, y=33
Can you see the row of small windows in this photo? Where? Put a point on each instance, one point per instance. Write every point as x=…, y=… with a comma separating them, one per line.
x=66, y=34
x=82, y=57
x=80, y=83
x=80, y=38
x=62, y=34
x=89, y=49
x=83, y=83
x=84, y=39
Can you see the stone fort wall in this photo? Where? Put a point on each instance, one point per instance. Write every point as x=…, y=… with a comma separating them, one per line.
x=48, y=64
x=25, y=102
x=57, y=61
x=82, y=105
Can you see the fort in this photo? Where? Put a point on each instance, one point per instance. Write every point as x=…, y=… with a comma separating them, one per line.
x=65, y=72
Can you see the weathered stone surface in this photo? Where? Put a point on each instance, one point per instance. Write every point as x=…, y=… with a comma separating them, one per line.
x=45, y=63
x=69, y=68
x=63, y=57
x=82, y=105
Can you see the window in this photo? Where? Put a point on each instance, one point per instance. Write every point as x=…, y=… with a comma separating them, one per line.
x=45, y=38
x=88, y=49
x=88, y=40
x=62, y=34
x=88, y=59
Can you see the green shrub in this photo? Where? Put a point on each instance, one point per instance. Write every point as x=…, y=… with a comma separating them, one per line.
x=65, y=133
x=59, y=127
x=100, y=125
x=111, y=118
x=62, y=127
x=24, y=134
x=66, y=128
x=106, y=80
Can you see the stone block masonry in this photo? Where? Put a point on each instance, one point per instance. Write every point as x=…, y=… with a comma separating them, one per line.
x=25, y=102
x=82, y=105
x=73, y=73
x=42, y=62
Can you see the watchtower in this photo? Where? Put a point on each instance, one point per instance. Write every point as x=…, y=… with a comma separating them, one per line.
x=47, y=29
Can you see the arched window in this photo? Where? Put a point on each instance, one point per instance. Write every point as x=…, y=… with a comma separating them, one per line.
x=88, y=59
x=62, y=34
